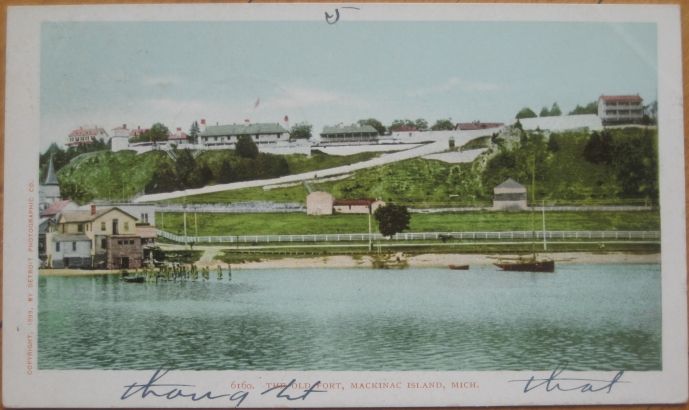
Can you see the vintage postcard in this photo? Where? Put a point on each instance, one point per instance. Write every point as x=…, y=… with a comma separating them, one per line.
x=344, y=205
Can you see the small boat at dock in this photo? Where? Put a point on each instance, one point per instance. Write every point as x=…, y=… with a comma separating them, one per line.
x=458, y=267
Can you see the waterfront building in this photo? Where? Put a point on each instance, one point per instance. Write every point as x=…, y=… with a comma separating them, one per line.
x=620, y=109
x=94, y=238
x=349, y=135
x=509, y=196
x=86, y=135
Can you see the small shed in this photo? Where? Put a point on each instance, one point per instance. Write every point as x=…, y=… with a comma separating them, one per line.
x=509, y=196
x=319, y=203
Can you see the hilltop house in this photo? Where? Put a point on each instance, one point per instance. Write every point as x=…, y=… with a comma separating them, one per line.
x=620, y=109
x=83, y=136
x=349, y=135
x=104, y=238
x=509, y=196
x=120, y=138
x=228, y=135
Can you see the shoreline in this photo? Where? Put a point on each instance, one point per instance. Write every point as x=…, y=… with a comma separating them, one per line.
x=428, y=260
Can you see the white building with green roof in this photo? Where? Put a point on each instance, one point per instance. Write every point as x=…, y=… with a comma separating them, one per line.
x=226, y=136
x=349, y=135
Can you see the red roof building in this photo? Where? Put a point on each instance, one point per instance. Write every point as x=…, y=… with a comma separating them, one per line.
x=620, y=109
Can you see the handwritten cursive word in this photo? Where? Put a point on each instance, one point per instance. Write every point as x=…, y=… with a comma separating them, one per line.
x=283, y=388
x=334, y=18
x=555, y=382
x=171, y=391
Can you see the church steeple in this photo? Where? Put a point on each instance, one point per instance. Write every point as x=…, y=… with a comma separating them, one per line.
x=51, y=178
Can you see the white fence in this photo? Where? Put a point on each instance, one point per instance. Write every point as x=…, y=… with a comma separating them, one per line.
x=411, y=236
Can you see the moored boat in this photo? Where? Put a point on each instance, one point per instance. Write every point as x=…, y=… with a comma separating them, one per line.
x=458, y=267
x=527, y=265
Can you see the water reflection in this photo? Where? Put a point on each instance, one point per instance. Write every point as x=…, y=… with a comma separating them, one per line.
x=601, y=317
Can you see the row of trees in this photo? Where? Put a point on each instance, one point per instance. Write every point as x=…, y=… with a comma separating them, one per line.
x=554, y=110
x=244, y=164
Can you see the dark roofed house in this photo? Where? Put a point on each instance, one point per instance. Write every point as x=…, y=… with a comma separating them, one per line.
x=510, y=195
x=260, y=133
x=349, y=135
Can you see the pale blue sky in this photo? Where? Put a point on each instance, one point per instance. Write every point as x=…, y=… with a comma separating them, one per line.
x=139, y=73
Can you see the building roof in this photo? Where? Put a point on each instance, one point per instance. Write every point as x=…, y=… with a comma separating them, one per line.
x=353, y=202
x=621, y=98
x=87, y=132
x=349, y=129
x=86, y=216
x=242, y=129
x=51, y=178
x=56, y=207
x=477, y=125
x=510, y=183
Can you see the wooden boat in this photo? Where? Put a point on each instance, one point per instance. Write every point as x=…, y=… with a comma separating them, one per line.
x=134, y=279
x=529, y=264
x=458, y=267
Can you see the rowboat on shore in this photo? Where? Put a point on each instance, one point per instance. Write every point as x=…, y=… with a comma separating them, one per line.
x=458, y=267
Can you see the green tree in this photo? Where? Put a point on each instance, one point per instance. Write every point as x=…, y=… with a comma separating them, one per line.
x=443, y=124
x=555, y=110
x=392, y=219
x=525, y=112
x=246, y=147
x=421, y=124
x=301, y=130
x=164, y=179
x=373, y=123
x=194, y=132
x=187, y=170
x=600, y=148
x=590, y=108
x=157, y=132
x=544, y=112
x=398, y=124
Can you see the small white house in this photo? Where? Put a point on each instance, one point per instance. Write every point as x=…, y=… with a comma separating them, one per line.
x=509, y=196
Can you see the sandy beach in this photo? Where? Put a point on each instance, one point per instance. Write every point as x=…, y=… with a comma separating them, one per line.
x=421, y=261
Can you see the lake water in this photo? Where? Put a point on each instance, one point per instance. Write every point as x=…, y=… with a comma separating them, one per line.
x=589, y=317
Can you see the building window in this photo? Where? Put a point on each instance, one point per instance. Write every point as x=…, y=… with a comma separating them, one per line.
x=74, y=246
x=80, y=228
x=103, y=243
x=57, y=247
x=102, y=226
x=126, y=226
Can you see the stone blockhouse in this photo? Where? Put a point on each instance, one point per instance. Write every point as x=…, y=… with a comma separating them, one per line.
x=509, y=196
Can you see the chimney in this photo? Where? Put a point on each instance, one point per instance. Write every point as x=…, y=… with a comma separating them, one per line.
x=93, y=209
